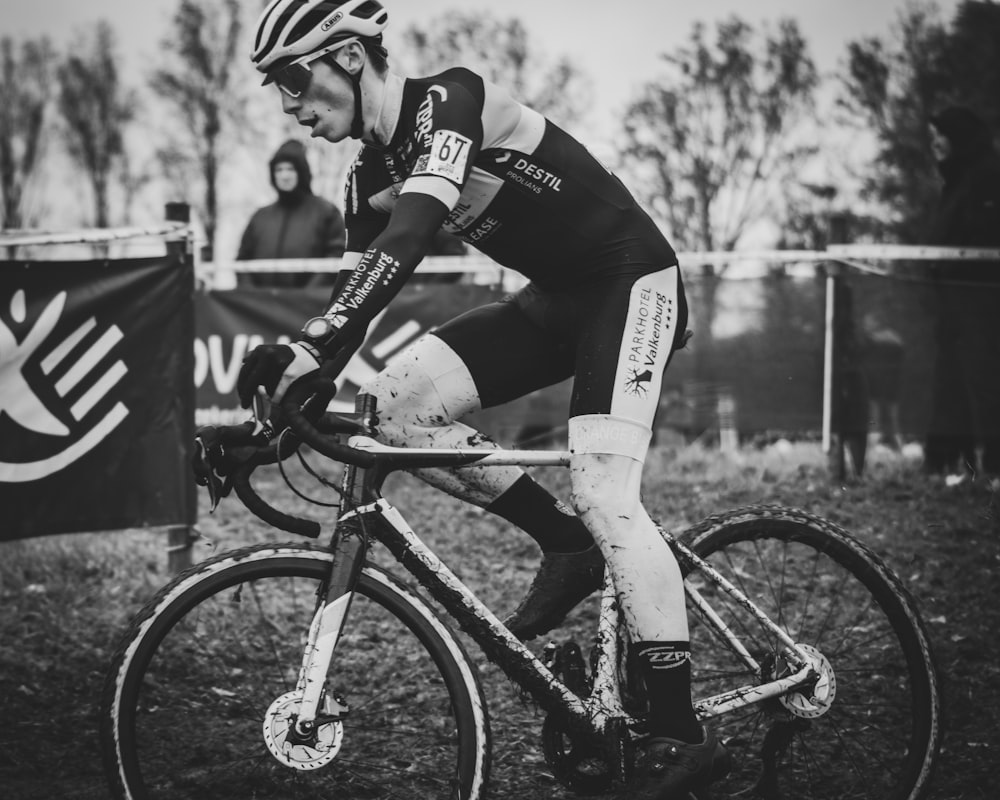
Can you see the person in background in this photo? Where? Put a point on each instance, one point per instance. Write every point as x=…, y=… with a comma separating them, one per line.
x=297, y=225
x=964, y=430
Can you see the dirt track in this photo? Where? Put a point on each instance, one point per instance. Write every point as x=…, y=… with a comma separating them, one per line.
x=65, y=599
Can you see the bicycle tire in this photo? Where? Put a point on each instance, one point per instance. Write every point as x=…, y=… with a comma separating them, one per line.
x=185, y=698
x=878, y=735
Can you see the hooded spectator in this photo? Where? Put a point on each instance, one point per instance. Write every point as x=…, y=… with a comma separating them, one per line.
x=297, y=225
x=969, y=210
x=964, y=428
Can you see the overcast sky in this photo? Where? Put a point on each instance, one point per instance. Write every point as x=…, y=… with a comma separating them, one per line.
x=616, y=41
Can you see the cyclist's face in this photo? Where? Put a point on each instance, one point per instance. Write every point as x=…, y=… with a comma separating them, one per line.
x=326, y=106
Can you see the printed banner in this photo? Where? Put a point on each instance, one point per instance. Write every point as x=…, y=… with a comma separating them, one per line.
x=96, y=401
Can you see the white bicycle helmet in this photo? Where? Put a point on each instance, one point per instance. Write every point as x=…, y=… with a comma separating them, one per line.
x=290, y=29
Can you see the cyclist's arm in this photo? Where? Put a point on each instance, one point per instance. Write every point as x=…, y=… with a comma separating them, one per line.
x=386, y=257
x=382, y=268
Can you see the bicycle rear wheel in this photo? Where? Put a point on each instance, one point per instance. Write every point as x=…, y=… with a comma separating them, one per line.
x=184, y=705
x=870, y=728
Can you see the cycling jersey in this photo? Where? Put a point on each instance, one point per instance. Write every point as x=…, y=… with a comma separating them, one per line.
x=520, y=189
x=516, y=186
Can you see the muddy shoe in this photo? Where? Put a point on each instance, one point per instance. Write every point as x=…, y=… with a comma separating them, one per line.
x=675, y=770
x=563, y=580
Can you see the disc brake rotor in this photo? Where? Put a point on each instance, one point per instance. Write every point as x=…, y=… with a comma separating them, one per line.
x=817, y=699
x=309, y=752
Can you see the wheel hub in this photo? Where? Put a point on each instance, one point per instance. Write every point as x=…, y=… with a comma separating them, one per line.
x=297, y=749
x=816, y=698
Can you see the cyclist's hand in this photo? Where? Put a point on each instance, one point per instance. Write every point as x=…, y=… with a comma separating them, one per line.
x=275, y=367
x=217, y=454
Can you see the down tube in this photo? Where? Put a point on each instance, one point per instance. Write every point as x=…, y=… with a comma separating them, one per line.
x=497, y=642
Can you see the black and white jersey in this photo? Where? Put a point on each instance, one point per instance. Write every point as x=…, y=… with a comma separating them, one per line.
x=519, y=188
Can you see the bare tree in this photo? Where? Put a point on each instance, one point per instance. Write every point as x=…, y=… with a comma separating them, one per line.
x=25, y=80
x=97, y=109
x=200, y=80
x=501, y=51
x=709, y=144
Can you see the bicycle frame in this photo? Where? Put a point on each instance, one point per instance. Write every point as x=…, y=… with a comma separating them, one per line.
x=369, y=513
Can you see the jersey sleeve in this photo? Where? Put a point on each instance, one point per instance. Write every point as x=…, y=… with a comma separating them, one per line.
x=364, y=220
x=448, y=134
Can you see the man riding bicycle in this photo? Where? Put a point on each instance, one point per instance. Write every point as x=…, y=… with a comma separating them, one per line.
x=605, y=305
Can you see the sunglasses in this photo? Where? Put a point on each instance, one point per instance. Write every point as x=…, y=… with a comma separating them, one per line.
x=293, y=79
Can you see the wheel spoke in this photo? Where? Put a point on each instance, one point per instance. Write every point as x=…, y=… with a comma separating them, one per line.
x=874, y=733
x=208, y=698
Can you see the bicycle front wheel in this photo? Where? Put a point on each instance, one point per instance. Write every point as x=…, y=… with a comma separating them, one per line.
x=186, y=701
x=869, y=727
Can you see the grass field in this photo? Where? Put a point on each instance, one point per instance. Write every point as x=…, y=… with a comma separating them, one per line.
x=65, y=599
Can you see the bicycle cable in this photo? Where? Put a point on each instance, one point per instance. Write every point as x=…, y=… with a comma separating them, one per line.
x=308, y=468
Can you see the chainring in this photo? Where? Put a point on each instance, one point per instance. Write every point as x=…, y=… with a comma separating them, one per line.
x=577, y=761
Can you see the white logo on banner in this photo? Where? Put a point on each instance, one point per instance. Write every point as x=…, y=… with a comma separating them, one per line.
x=26, y=409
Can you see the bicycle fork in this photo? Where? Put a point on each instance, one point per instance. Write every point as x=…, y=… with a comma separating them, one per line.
x=324, y=632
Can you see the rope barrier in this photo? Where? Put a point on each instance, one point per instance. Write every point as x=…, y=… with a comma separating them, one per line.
x=897, y=252
x=18, y=238
x=469, y=263
x=851, y=255
x=480, y=263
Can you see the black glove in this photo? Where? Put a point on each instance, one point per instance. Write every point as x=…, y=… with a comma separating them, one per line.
x=275, y=367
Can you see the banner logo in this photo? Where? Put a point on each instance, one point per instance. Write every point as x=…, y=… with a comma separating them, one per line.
x=21, y=403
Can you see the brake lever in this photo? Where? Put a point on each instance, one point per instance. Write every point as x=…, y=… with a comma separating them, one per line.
x=210, y=477
x=260, y=410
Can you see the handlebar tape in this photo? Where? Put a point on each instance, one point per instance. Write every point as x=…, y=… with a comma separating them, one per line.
x=261, y=508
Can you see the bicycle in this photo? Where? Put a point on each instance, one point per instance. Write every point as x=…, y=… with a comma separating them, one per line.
x=305, y=670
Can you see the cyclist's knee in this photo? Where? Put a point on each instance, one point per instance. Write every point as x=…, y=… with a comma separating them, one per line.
x=605, y=484
x=605, y=489
x=601, y=505
x=425, y=387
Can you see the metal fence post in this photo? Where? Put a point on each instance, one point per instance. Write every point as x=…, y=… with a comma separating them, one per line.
x=180, y=538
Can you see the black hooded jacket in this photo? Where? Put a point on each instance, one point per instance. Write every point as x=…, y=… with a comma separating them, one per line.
x=966, y=301
x=969, y=211
x=298, y=225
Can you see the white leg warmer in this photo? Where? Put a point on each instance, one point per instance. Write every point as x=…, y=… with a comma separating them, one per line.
x=606, y=472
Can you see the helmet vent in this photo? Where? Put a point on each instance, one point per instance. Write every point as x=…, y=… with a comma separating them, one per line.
x=368, y=10
x=307, y=24
x=279, y=26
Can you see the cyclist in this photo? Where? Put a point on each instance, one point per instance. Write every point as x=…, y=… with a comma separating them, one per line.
x=605, y=304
